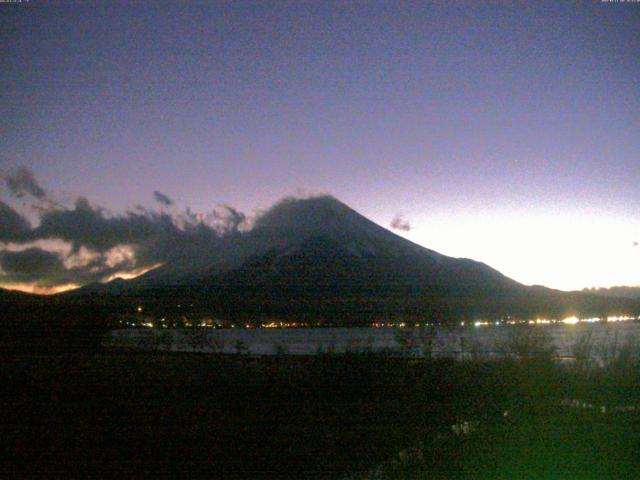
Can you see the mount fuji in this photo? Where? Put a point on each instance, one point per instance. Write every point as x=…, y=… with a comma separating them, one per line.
x=317, y=258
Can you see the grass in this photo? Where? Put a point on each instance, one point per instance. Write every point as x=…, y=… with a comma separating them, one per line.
x=352, y=416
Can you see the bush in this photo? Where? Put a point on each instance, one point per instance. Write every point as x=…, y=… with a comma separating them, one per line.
x=583, y=350
x=528, y=342
x=280, y=349
x=145, y=339
x=417, y=341
x=197, y=338
x=217, y=343
x=616, y=356
x=166, y=339
x=241, y=348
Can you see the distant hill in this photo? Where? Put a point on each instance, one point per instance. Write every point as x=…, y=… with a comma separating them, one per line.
x=9, y=296
x=622, y=292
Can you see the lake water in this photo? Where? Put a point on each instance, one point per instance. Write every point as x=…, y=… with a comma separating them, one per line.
x=446, y=341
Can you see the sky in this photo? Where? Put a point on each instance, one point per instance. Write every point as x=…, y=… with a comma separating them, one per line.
x=503, y=133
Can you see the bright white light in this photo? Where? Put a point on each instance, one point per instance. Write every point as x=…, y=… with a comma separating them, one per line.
x=561, y=241
x=570, y=320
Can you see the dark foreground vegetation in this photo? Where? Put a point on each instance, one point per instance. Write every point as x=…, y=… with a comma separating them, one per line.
x=91, y=413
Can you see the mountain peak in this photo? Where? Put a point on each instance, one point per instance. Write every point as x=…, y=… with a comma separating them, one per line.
x=293, y=221
x=310, y=214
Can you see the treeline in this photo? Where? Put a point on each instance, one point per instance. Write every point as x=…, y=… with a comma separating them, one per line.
x=330, y=305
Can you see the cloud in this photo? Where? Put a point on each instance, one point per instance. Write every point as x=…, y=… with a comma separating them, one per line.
x=84, y=243
x=400, y=223
x=13, y=226
x=88, y=226
x=46, y=268
x=98, y=246
x=162, y=199
x=30, y=264
x=22, y=182
x=151, y=237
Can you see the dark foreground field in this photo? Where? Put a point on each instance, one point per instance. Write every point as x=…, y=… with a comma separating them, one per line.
x=354, y=416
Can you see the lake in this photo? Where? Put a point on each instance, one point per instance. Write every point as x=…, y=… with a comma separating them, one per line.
x=445, y=341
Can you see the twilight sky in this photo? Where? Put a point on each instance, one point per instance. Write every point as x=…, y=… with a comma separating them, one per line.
x=506, y=134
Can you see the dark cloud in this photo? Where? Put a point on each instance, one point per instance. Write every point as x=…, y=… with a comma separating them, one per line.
x=150, y=238
x=162, y=199
x=47, y=269
x=190, y=243
x=399, y=223
x=22, y=181
x=30, y=265
x=635, y=244
x=88, y=226
x=98, y=239
x=13, y=226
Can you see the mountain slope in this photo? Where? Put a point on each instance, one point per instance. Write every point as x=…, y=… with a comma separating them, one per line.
x=322, y=240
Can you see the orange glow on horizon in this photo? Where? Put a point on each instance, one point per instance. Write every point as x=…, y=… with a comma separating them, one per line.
x=132, y=274
x=42, y=290
x=39, y=289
